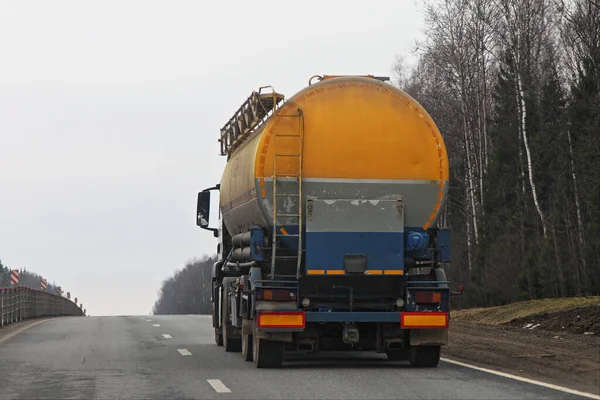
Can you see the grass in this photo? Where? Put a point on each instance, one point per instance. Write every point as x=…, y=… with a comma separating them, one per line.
x=504, y=314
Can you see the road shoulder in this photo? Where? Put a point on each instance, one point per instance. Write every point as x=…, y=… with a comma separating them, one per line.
x=563, y=359
x=15, y=329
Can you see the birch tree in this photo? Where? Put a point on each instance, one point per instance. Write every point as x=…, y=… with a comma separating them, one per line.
x=514, y=87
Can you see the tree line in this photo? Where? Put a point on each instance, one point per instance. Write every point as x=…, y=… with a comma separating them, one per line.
x=188, y=291
x=514, y=86
x=26, y=278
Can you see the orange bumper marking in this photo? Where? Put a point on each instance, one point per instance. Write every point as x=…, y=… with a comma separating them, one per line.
x=336, y=272
x=342, y=272
x=423, y=320
x=281, y=320
x=315, y=272
x=393, y=272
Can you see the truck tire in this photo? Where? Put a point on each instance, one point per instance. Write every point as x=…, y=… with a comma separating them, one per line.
x=396, y=355
x=231, y=344
x=267, y=353
x=424, y=356
x=247, y=351
x=218, y=338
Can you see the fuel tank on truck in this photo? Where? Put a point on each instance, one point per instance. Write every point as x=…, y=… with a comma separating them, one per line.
x=360, y=139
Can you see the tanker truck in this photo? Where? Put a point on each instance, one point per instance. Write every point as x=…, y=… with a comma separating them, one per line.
x=328, y=236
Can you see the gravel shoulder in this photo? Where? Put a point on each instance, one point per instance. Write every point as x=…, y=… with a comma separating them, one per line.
x=559, y=346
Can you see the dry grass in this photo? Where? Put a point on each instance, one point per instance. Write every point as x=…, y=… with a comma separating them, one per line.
x=504, y=314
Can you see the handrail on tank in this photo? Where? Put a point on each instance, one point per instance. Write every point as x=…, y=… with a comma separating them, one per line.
x=249, y=116
x=314, y=76
x=267, y=87
x=324, y=77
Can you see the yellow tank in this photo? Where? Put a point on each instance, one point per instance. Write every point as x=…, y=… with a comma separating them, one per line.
x=361, y=139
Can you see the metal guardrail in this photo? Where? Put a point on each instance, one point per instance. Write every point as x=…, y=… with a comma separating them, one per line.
x=20, y=303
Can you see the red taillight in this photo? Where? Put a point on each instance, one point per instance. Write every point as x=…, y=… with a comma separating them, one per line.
x=275, y=295
x=428, y=297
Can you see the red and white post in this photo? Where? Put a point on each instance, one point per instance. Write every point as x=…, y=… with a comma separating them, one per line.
x=14, y=277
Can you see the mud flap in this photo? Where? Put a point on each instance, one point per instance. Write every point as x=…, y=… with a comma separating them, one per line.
x=428, y=337
x=287, y=337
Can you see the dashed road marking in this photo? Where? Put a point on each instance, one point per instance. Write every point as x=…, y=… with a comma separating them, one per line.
x=167, y=336
x=156, y=325
x=184, y=352
x=148, y=320
x=527, y=380
x=218, y=386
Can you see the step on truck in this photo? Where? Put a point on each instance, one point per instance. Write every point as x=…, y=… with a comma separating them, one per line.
x=328, y=235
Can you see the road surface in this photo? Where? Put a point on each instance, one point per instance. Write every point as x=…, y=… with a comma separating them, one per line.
x=174, y=357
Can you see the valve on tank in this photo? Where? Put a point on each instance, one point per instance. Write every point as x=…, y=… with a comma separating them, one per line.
x=417, y=241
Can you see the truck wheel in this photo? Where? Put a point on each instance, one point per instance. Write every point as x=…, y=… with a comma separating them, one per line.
x=247, y=351
x=232, y=345
x=218, y=338
x=396, y=355
x=424, y=356
x=267, y=353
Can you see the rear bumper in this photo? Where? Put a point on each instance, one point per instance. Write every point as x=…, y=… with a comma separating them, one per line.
x=420, y=328
x=407, y=320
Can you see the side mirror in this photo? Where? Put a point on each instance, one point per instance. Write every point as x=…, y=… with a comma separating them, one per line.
x=203, y=209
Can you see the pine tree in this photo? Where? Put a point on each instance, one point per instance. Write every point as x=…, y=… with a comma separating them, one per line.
x=584, y=125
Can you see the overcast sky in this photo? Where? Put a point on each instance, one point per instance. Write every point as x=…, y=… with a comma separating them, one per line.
x=110, y=113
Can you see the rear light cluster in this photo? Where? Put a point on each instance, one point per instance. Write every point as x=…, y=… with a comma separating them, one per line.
x=275, y=295
x=428, y=297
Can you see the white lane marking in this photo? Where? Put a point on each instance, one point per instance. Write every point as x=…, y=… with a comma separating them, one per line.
x=519, y=378
x=167, y=336
x=184, y=352
x=157, y=325
x=148, y=320
x=218, y=386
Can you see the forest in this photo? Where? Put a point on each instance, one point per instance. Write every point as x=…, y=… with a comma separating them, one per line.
x=514, y=87
x=26, y=278
x=188, y=291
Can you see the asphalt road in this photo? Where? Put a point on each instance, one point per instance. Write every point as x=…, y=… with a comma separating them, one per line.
x=173, y=357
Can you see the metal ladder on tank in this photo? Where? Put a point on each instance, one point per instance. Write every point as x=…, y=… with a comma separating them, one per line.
x=296, y=155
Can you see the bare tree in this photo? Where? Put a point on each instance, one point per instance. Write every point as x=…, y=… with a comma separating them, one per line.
x=524, y=169
x=188, y=291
